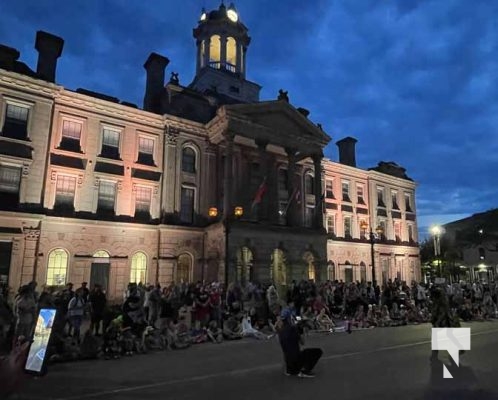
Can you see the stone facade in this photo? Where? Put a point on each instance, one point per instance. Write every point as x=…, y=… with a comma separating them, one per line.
x=95, y=189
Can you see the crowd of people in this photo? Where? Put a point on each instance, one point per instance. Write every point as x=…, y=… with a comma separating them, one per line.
x=180, y=315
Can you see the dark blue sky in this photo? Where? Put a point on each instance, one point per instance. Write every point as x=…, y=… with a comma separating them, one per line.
x=414, y=81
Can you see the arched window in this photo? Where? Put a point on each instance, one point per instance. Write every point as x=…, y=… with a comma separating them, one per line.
x=101, y=254
x=57, y=267
x=184, y=268
x=308, y=184
x=279, y=268
x=231, y=54
x=138, y=268
x=188, y=160
x=363, y=272
x=244, y=265
x=215, y=51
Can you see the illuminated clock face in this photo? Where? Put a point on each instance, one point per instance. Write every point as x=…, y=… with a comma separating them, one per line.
x=203, y=16
x=232, y=15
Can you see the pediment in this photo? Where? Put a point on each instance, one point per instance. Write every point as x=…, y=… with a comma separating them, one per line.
x=280, y=118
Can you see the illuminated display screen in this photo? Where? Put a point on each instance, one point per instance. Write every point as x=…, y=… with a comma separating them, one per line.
x=38, y=348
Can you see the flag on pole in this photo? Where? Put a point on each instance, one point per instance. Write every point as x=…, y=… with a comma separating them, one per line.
x=296, y=195
x=259, y=194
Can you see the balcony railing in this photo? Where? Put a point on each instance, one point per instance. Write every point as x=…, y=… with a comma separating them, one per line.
x=226, y=66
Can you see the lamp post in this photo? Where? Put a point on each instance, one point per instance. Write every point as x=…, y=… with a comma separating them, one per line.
x=238, y=212
x=371, y=237
x=437, y=231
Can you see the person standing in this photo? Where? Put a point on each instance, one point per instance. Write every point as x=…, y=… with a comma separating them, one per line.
x=441, y=315
x=25, y=312
x=98, y=303
x=75, y=312
x=298, y=362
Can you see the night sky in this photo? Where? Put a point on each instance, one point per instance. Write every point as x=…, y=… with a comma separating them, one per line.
x=413, y=81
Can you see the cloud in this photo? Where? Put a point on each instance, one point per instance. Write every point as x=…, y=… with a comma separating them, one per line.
x=413, y=80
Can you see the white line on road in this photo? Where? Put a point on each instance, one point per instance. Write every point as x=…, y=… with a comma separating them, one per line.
x=244, y=371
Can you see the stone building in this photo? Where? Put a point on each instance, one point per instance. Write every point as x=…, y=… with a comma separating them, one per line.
x=97, y=189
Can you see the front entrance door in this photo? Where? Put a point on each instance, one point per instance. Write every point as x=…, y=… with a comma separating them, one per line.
x=5, y=256
x=348, y=275
x=99, y=275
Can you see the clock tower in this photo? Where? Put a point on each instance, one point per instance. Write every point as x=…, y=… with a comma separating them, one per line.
x=222, y=43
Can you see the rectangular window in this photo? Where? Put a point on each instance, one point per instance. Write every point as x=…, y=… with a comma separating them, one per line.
x=71, y=130
x=10, y=179
x=382, y=224
x=143, y=197
x=397, y=231
x=282, y=213
x=255, y=176
x=65, y=189
x=187, y=205
x=329, y=189
x=411, y=237
x=146, y=151
x=71, y=136
x=380, y=197
x=308, y=216
x=110, y=144
x=408, y=202
x=16, y=122
x=107, y=196
x=331, y=224
x=347, y=227
x=345, y=191
x=394, y=195
x=359, y=191
x=283, y=181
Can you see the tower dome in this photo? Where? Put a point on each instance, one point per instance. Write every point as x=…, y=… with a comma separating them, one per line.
x=222, y=41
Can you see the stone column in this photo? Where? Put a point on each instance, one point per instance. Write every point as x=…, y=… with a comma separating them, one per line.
x=272, y=184
x=263, y=162
x=169, y=173
x=291, y=172
x=317, y=161
x=207, y=51
x=223, y=54
x=228, y=178
x=238, y=57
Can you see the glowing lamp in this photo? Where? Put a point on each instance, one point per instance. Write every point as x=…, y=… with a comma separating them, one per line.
x=232, y=13
x=238, y=211
x=203, y=15
x=213, y=212
x=363, y=225
x=436, y=230
x=379, y=230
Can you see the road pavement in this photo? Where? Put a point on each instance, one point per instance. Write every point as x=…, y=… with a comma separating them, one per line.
x=382, y=363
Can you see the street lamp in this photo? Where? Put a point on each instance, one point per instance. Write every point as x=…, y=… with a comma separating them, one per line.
x=372, y=236
x=437, y=231
x=238, y=212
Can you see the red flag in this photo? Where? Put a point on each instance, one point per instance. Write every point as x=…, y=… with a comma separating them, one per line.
x=259, y=193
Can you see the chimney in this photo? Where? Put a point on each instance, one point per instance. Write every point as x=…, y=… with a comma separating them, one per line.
x=154, y=67
x=347, y=153
x=50, y=49
x=8, y=57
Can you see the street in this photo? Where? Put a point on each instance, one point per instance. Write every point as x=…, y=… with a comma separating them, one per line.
x=382, y=363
